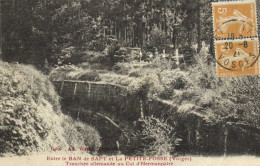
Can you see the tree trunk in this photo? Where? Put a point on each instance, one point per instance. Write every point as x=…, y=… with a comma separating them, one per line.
x=175, y=43
x=199, y=28
x=165, y=20
x=133, y=38
x=1, y=32
x=190, y=34
x=115, y=29
x=198, y=138
x=225, y=140
x=142, y=34
x=125, y=32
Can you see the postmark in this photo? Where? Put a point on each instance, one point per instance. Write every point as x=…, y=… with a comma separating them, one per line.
x=234, y=19
x=237, y=57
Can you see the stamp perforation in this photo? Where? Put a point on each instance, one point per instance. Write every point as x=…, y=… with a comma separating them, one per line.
x=240, y=59
x=222, y=22
x=235, y=38
x=218, y=39
x=232, y=1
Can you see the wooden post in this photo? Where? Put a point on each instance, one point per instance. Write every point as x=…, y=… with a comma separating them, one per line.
x=141, y=109
x=75, y=91
x=225, y=140
x=189, y=138
x=61, y=88
x=140, y=55
x=89, y=90
x=78, y=116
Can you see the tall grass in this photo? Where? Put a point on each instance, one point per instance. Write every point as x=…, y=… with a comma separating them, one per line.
x=30, y=115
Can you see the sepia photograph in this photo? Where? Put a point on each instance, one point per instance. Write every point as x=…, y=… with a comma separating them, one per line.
x=129, y=83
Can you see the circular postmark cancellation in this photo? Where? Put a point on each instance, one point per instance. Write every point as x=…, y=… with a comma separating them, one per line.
x=234, y=19
x=237, y=57
x=235, y=36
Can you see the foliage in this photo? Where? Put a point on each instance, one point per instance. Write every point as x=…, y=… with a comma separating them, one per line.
x=42, y=32
x=113, y=78
x=94, y=57
x=159, y=39
x=153, y=137
x=229, y=98
x=156, y=82
x=35, y=31
x=98, y=43
x=138, y=86
x=50, y=31
x=122, y=68
x=24, y=81
x=29, y=109
x=72, y=72
x=79, y=134
x=139, y=78
x=175, y=79
x=157, y=62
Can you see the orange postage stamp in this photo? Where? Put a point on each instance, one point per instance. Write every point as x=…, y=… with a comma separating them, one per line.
x=237, y=57
x=234, y=19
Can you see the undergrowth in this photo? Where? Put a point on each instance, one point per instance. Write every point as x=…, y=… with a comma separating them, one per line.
x=153, y=137
x=72, y=72
x=30, y=115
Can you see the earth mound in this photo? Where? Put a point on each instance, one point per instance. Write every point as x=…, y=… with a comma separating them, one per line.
x=30, y=116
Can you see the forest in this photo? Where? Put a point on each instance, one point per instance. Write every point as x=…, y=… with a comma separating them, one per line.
x=160, y=51
x=48, y=31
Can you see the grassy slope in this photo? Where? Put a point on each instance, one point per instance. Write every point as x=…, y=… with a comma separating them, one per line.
x=197, y=90
x=30, y=116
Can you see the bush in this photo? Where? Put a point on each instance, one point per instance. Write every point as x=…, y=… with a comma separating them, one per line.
x=159, y=39
x=96, y=60
x=153, y=137
x=30, y=116
x=93, y=57
x=79, y=134
x=98, y=43
x=138, y=86
x=229, y=97
x=25, y=81
x=113, y=78
x=122, y=68
x=175, y=79
x=89, y=76
x=29, y=110
x=163, y=64
x=71, y=72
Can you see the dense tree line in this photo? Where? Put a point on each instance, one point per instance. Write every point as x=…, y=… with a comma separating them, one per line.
x=42, y=31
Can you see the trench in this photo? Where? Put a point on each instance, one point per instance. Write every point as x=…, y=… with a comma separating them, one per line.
x=110, y=128
x=112, y=112
x=105, y=107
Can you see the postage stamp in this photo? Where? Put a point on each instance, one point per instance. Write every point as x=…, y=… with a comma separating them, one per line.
x=237, y=57
x=234, y=19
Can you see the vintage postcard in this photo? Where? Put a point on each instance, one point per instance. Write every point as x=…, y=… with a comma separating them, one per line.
x=129, y=83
